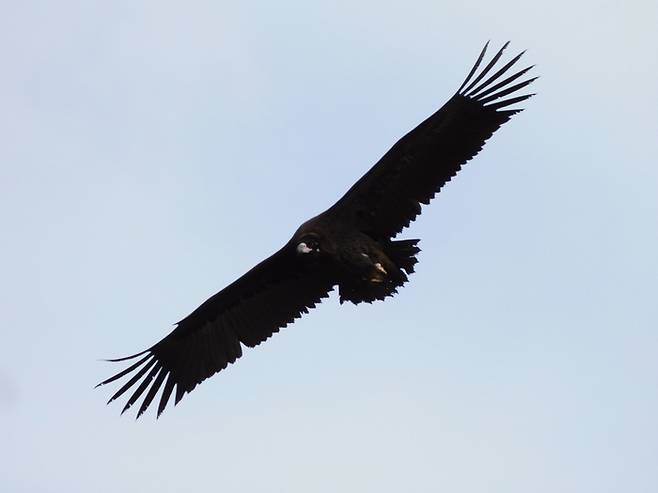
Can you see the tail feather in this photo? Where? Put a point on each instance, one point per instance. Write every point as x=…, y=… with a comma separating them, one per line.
x=403, y=253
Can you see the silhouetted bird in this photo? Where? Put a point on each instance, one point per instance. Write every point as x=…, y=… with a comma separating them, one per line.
x=350, y=245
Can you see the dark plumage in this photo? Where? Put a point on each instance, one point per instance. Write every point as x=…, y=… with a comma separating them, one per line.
x=350, y=245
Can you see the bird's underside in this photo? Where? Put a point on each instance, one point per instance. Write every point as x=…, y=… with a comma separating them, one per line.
x=351, y=245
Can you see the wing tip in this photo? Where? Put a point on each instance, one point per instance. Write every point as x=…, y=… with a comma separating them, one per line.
x=493, y=88
x=140, y=380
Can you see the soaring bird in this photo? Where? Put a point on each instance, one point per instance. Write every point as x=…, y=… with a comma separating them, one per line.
x=351, y=245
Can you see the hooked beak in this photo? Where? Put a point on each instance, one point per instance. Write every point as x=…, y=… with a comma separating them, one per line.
x=302, y=248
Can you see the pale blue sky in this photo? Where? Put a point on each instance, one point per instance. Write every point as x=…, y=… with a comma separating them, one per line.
x=154, y=151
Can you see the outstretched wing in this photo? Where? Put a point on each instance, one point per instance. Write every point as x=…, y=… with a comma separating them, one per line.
x=248, y=311
x=388, y=197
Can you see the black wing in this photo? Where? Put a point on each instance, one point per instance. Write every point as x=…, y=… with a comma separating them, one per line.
x=388, y=197
x=248, y=311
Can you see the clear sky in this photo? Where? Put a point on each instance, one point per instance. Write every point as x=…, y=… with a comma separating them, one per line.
x=154, y=151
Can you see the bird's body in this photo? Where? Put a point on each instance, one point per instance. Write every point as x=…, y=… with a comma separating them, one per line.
x=362, y=267
x=352, y=245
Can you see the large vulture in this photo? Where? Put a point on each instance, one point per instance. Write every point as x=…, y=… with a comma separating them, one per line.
x=351, y=245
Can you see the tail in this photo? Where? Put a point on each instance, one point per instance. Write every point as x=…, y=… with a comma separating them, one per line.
x=403, y=253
